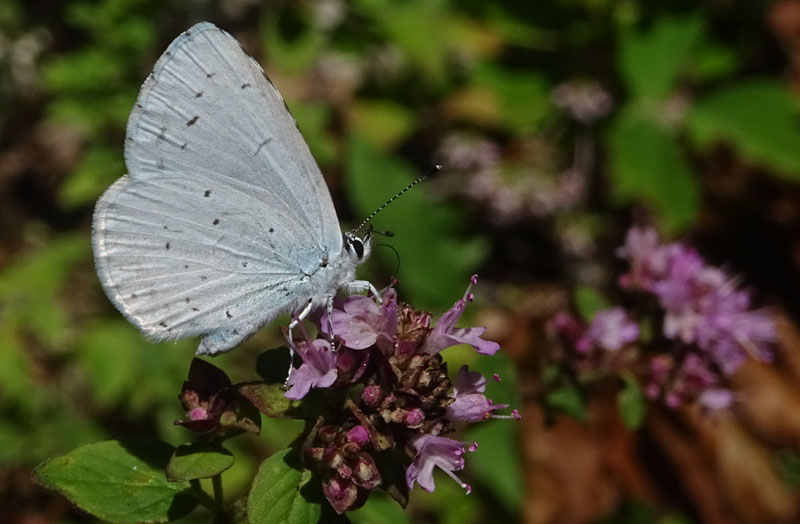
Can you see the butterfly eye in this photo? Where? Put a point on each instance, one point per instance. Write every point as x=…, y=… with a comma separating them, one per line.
x=358, y=247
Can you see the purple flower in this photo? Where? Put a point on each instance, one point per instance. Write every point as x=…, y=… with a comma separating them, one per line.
x=689, y=382
x=611, y=329
x=317, y=370
x=470, y=404
x=445, y=334
x=702, y=305
x=444, y=453
x=362, y=322
x=716, y=399
x=645, y=255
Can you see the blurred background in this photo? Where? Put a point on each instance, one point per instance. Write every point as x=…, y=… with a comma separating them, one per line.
x=559, y=123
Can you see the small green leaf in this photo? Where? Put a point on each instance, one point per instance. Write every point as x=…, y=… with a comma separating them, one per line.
x=382, y=122
x=589, y=302
x=269, y=399
x=279, y=492
x=98, y=168
x=631, y=402
x=119, y=481
x=652, y=60
x=759, y=118
x=200, y=460
x=648, y=166
x=567, y=399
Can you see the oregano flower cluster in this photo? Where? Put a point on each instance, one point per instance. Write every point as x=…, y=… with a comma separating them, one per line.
x=378, y=395
x=701, y=326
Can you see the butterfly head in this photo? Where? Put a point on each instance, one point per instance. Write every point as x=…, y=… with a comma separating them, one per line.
x=358, y=247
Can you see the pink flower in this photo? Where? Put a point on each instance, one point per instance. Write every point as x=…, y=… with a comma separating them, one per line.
x=611, y=329
x=470, y=404
x=702, y=305
x=444, y=453
x=362, y=322
x=318, y=369
x=445, y=334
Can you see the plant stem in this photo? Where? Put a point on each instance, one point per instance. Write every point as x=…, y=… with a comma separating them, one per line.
x=219, y=503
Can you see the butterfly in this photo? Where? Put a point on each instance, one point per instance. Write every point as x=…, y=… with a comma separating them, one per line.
x=224, y=220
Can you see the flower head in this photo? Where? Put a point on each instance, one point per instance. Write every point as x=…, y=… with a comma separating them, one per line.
x=702, y=305
x=389, y=390
x=611, y=330
x=470, y=404
x=317, y=370
x=444, y=453
x=211, y=403
x=445, y=334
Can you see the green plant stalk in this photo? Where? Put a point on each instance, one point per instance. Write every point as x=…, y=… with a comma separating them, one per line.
x=219, y=503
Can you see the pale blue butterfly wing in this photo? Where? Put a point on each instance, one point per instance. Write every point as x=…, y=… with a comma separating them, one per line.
x=224, y=212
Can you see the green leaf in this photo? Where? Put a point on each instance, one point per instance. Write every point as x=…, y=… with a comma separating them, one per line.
x=589, y=302
x=523, y=97
x=98, y=168
x=200, y=460
x=759, y=118
x=652, y=60
x=279, y=492
x=712, y=61
x=648, y=166
x=631, y=402
x=119, y=481
x=436, y=257
x=382, y=122
x=567, y=399
x=291, y=53
x=269, y=399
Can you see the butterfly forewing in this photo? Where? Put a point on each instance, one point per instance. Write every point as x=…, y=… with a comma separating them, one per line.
x=224, y=208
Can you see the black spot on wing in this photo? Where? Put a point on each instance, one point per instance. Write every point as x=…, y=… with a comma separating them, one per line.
x=162, y=324
x=207, y=193
x=228, y=314
x=262, y=144
x=246, y=85
x=271, y=229
x=167, y=246
x=192, y=121
x=198, y=94
x=216, y=221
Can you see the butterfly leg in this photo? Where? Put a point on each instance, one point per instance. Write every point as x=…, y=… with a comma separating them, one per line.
x=357, y=286
x=329, y=304
x=296, y=319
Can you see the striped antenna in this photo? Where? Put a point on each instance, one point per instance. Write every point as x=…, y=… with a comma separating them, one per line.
x=433, y=171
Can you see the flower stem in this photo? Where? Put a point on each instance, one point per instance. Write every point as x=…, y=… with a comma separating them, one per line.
x=219, y=503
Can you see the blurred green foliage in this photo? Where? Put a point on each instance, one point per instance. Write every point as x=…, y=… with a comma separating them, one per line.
x=412, y=73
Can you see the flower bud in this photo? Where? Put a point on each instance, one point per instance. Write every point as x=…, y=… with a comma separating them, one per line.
x=341, y=493
x=365, y=473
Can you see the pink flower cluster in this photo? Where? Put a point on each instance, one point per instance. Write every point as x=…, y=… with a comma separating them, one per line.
x=706, y=326
x=401, y=399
